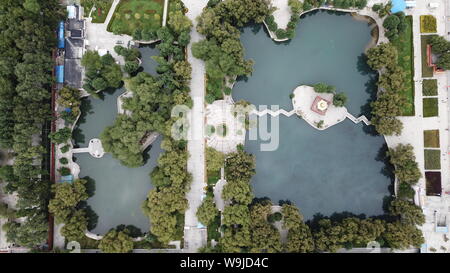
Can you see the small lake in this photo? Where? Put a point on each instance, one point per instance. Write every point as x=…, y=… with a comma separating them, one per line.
x=335, y=170
x=119, y=191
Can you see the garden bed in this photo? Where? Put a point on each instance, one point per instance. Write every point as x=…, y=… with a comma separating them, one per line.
x=429, y=87
x=432, y=159
x=428, y=24
x=433, y=183
x=431, y=138
x=404, y=45
x=430, y=107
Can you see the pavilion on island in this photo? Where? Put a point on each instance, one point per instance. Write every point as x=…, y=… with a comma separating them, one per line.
x=320, y=105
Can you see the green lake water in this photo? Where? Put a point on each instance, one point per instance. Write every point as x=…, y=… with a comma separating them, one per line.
x=335, y=170
x=118, y=191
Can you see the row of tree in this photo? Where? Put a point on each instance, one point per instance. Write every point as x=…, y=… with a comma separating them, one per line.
x=28, y=36
x=390, y=102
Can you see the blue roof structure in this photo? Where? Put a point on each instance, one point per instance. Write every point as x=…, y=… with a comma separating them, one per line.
x=67, y=178
x=61, y=42
x=60, y=73
x=398, y=5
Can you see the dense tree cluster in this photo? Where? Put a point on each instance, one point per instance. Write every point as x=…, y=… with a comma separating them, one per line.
x=131, y=56
x=66, y=198
x=222, y=50
x=61, y=136
x=116, y=242
x=151, y=105
x=404, y=161
x=391, y=81
x=299, y=239
x=395, y=24
x=101, y=72
x=341, y=4
x=296, y=8
x=349, y=232
x=69, y=99
x=382, y=9
x=28, y=35
x=207, y=211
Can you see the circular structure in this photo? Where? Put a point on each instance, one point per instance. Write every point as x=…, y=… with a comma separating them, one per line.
x=96, y=148
x=322, y=105
x=224, y=131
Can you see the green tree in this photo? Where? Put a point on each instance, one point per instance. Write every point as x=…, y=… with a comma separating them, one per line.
x=75, y=226
x=61, y=136
x=214, y=159
x=381, y=56
x=238, y=191
x=178, y=22
x=401, y=236
x=67, y=196
x=404, y=161
x=408, y=212
x=207, y=211
x=339, y=99
x=239, y=166
x=116, y=242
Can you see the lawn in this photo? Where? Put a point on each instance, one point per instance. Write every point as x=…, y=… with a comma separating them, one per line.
x=430, y=107
x=404, y=45
x=213, y=177
x=137, y=14
x=432, y=159
x=429, y=87
x=427, y=24
x=426, y=70
x=431, y=138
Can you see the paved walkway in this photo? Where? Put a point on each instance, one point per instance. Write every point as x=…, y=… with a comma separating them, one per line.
x=194, y=238
x=165, y=12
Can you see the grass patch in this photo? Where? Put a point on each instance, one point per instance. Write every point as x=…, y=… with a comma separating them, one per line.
x=430, y=107
x=428, y=24
x=404, y=45
x=213, y=177
x=137, y=14
x=432, y=159
x=429, y=87
x=431, y=138
x=427, y=71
